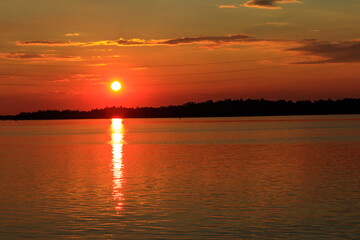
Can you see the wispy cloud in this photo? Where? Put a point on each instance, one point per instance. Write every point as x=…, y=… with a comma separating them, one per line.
x=142, y=42
x=72, y=34
x=330, y=52
x=67, y=93
x=138, y=68
x=207, y=40
x=227, y=6
x=119, y=42
x=97, y=65
x=49, y=43
x=60, y=80
x=21, y=56
x=29, y=56
x=268, y=4
x=131, y=42
x=327, y=52
x=79, y=78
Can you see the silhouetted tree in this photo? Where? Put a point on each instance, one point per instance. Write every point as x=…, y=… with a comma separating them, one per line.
x=224, y=108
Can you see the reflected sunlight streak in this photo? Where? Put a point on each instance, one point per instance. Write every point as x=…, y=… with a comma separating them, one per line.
x=117, y=134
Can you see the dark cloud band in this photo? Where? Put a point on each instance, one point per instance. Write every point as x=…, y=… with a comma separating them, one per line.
x=327, y=52
x=330, y=52
x=268, y=4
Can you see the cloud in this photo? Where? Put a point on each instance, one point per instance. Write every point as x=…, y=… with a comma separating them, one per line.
x=141, y=42
x=207, y=40
x=97, y=65
x=131, y=42
x=72, y=34
x=330, y=52
x=319, y=51
x=27, y=56
x=178, y=41
x=60, y=80
x=227, y=6
x=22, y=56
x=88, y=78
x=119, y=42
x=49, y=43
x=67, y=93
x=268, y=4
x=138, y=68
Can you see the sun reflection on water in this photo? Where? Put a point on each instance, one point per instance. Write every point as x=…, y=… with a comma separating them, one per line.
x=117, y=134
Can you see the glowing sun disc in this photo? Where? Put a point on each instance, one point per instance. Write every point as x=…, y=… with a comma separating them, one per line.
x=115, y=86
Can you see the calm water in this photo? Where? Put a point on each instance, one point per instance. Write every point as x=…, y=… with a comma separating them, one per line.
x=213, y=178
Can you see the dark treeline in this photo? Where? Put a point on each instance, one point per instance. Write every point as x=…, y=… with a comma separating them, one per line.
x=225, y=108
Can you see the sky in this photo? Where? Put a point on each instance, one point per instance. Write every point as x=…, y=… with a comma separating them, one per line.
x=65, y=54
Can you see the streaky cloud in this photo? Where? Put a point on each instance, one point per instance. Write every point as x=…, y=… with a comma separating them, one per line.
x=141, y=42
x=49, y=43
x=330, y=52
x=131, y=42
x=321, y=51
x=20, y=56
x=227, y=6
x=72, y=34
x=268, y=4
x=27, y=56
x=210, y=39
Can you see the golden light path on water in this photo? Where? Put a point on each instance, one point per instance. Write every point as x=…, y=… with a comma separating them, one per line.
x=117, y=141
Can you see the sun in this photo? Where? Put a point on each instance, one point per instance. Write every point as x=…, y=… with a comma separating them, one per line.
x=115, y=86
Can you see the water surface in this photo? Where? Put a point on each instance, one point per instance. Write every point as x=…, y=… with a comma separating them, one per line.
x=292, y=177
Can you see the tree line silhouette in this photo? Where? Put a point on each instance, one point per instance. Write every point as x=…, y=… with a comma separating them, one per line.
x=224, y=108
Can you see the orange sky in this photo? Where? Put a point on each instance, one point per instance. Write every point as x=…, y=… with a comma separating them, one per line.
x=64, y=54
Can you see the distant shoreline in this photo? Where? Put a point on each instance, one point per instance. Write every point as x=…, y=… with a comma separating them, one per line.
x=224, y=108
x=11, y=118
